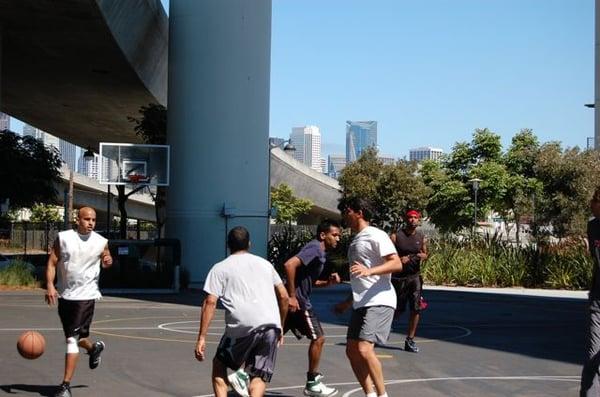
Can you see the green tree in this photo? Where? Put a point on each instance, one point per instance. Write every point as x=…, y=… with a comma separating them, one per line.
x=392, y=188
x=151, y=126
x=44, y=213
x=288, y=206
x=29, y=170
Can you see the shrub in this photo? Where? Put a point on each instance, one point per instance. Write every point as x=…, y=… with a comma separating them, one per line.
x=18, y=274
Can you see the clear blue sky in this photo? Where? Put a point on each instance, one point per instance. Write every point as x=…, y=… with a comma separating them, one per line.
x=432, y=71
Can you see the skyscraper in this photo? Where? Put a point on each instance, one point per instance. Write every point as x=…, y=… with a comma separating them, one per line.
x=307, y=141
x=49, y=140
x=68, y=154
x=359, y=136
x=4, y=121
x=88, y=168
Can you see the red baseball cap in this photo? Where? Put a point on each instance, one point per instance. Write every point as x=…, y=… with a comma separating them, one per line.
x=413, y=213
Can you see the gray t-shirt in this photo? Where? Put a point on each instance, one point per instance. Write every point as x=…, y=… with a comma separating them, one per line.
x=245, y=284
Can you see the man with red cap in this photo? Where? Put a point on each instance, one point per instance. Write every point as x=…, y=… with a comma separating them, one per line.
x=411, y=246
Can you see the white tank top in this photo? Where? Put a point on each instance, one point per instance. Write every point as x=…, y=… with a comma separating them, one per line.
x=79, y=265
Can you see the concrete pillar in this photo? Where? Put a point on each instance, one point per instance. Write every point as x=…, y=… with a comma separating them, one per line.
x=218, y=123
x=597, y=79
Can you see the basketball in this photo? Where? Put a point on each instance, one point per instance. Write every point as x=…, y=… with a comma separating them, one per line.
x=31, y=345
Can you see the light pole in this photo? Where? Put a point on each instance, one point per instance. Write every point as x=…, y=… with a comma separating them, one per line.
x=287, y=148
x=475, y=182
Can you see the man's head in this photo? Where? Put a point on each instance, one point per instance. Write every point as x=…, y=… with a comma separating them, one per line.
x=238, y=239
x=356, y=210
x=86, y=220
x=412, y=218
x=329, y=231
x=595, y=203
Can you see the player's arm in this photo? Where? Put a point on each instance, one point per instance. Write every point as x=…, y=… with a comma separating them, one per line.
x=291, y=267
x=283, y=301
x=107, y=259
x=344, y=305
x=208, y=312
x=51, y=296
x=391, y=264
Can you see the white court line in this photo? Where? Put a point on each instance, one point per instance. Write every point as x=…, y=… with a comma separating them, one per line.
x=559, y=378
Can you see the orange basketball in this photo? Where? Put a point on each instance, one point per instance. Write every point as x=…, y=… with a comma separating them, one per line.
x=31, y=345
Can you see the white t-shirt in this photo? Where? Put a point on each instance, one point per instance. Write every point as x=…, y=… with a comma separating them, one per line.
x=245, y=284
x=369, y=247
x=78, y=268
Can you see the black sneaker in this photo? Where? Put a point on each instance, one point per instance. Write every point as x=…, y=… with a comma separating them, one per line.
x=64, y=390
x=95, y=354
x=410, y=346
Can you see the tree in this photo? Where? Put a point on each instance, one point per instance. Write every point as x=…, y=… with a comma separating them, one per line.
x=392, y=188
x=288, y=207
x=29, y=170
x=44, y=213
x=152, y=128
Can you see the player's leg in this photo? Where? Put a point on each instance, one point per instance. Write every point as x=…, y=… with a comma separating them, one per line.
x=359, y=365
x=70, y=318
x=261, y=357
x=313, y=330
x=414, y=288
x=219, y=373
x=590, y=382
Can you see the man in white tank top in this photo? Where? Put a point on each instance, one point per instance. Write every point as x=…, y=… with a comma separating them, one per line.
x=75, y=262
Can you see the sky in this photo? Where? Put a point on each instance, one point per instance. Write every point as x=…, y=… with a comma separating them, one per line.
x=432, y=71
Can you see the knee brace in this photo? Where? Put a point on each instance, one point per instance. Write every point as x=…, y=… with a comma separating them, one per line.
x=72, y=346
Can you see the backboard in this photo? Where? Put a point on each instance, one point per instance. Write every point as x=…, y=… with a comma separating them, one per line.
x=130, y=163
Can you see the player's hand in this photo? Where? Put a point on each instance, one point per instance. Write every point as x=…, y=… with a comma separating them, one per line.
x=200, y=349
x=293, y=304
x=280, y=340
x=342, y=307
x=422, y=256
x=334, y=278
x=51, y=296
x=359, y=270
x=107, y=260
x=404, y=259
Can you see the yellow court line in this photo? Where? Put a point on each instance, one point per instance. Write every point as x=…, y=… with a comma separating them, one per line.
x=384, y=356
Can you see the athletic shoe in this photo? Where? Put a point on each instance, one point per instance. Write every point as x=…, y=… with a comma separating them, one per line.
x=410, y=346
x=95, y=354
x=239, y=381
x=64, y=390
x=316, y=388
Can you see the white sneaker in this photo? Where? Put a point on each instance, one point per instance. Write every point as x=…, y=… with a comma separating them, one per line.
x=239, y=381
x=317, y=388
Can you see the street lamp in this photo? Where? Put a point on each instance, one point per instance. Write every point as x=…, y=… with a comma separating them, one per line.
x=475, y=182
x=88, y=155
x=288, y=148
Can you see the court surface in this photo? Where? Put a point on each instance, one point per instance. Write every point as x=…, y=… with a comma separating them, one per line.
x=472, y=344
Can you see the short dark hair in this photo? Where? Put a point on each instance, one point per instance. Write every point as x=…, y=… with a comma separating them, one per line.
x=596, y=196
x=357, y=204
x=238, y=239
x=326, y=225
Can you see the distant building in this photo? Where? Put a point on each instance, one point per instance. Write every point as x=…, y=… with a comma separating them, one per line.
x=88, y=168
x=387, y=159
x=359, y=136
x=425, y=153
x=4, y=121
x=307, y=141
x=335, y=165
x=68, y=154
x=590, y=143
x=48, y=139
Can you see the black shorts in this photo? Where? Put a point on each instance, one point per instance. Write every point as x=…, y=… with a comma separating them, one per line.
x=76, y=317
x=303, y=323
x=257, y=351
x=408, y=290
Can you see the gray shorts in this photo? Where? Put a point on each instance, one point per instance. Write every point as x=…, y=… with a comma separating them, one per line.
x=257, y=351
x=371, y=324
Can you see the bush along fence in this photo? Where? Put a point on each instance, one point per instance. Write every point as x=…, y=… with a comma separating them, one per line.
x=470, y=261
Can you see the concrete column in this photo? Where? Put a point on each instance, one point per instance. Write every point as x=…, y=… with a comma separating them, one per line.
x=597, y=79
x=218, y=123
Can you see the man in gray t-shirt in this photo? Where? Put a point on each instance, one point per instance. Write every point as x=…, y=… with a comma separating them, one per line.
x=256, y=304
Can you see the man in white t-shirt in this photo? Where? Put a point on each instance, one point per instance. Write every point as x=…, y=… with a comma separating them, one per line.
x=256, y=303
x=76, y=258
x=372, y=257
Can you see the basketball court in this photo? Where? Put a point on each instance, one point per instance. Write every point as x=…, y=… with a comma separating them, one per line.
x=471, y=344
